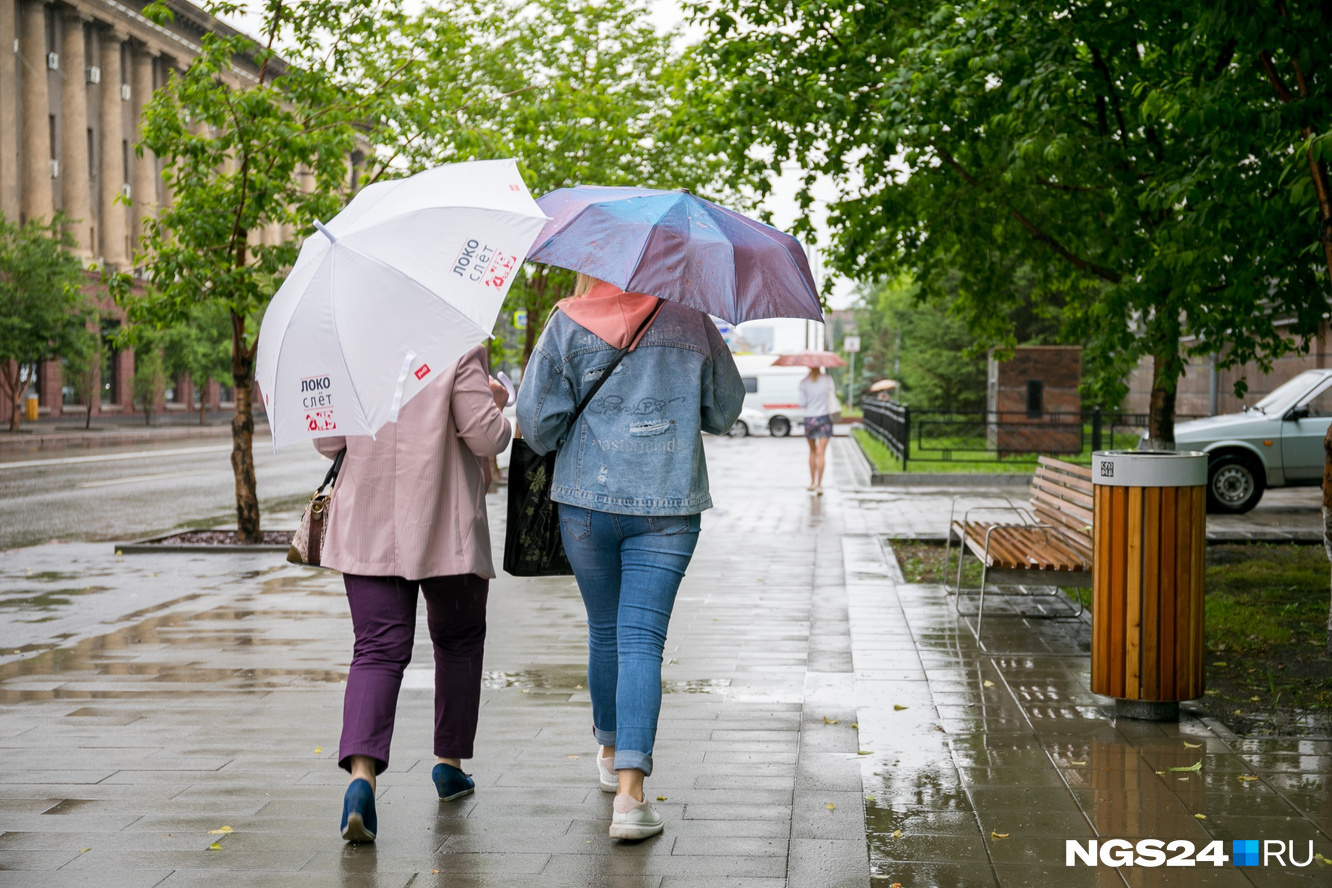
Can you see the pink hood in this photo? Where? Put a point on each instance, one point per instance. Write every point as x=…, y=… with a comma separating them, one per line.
x=609, y=312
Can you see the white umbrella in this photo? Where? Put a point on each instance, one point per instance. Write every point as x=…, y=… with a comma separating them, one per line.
x=389, y=293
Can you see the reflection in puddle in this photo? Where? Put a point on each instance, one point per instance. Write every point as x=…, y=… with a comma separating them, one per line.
x=28, y=599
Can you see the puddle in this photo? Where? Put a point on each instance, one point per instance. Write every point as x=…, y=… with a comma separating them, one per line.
x=27, y=599
x=697, y=686
x=560, y=678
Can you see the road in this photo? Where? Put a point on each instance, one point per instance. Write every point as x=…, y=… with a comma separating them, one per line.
x=135, y=491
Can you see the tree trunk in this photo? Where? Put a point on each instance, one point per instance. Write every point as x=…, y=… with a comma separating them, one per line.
x=10, y=377
x=1167, y=368
x=242, y=435
x=87, y=418
x=202, y=402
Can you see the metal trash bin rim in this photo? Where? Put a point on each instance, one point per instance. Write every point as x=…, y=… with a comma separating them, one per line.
x=1149, y=468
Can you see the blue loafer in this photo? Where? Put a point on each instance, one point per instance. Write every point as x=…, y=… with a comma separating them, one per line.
x=451, y=783
x=359, y=822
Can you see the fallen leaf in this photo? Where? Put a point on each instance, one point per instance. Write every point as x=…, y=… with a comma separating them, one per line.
x=1247, y=777
x=1077, y=763
x=998, y=835
x=830, y=806
x=898, y=707
x=897, y=834
x=434, y=872
x=869, y=798
x=864, y=752
x=222, y=831
x=85, y=850
x=215, y=847
x=829, y=721
x=1321, y=859
x=1181, y=778
x=1201, y=816
x=854, y=725
x=1160, y=773
x=318, y=749
x=118, y=552
x=988, y=683
x=895, y=885
x=1196, y=767
x=1220, y=663
x=572, y=758
x=661, y=798
x=1255, y=699
x=1188, y=745
x=578, y=687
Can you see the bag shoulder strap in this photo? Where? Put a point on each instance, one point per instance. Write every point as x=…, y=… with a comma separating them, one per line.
x=332, y=475
x=610, y=368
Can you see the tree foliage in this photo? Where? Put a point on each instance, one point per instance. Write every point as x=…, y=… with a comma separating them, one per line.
x=44, y=307
x=1124, y=158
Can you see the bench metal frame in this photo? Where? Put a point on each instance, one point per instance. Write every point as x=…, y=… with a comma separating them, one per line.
x=991, y=578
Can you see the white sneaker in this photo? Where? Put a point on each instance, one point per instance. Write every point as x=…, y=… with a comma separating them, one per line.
x=610, y=781
x=634, y=819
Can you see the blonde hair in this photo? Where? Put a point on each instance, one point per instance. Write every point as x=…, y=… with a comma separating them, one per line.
x=814, y=372
x=583, y=283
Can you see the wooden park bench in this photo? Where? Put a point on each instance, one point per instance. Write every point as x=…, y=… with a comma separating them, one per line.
x=1045, y=543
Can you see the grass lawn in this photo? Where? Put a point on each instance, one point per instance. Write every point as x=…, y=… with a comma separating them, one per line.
x=883, y=460
x=1268, y=672
x=972, y=456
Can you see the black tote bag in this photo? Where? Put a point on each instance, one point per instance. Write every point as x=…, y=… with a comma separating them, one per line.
x=533, y=546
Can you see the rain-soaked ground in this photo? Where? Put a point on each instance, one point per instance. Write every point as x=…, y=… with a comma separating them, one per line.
x=173, y=720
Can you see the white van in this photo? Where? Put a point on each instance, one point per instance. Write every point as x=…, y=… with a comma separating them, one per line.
x=772, y=396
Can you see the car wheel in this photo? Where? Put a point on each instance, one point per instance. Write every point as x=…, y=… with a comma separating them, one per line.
x=1234, y=484
x=779, y=426
x=739, y=430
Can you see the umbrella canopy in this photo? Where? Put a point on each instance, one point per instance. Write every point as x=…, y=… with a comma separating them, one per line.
x=676, y=246
x=809, y=359
x=389, y=293
x=884, y=385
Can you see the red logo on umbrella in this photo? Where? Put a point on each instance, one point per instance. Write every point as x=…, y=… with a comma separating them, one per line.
x=423, y=371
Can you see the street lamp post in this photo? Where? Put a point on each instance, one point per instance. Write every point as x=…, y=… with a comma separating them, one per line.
x=851, y=345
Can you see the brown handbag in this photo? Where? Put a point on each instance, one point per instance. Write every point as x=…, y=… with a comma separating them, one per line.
x=307, y=545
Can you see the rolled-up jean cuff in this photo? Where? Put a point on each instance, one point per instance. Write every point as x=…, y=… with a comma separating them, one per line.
x=629, y=758
x=605, y=738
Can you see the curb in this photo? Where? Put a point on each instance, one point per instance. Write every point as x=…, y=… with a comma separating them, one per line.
x=155, y=546
x=62, y=440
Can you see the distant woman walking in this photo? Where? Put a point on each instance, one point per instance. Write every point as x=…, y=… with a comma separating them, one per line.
x=631, y=481
x=409, y=513
x=818, y=401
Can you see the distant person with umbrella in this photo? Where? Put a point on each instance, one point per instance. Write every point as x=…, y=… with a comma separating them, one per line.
x=818, y=402
x=631, y=479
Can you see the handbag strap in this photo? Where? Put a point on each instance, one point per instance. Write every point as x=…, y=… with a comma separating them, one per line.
x=606, y=374
x=332, y=475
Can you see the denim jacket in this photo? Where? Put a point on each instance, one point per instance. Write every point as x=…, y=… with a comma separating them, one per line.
x=637, y=448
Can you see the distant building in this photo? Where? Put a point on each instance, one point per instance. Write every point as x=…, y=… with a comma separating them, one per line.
x=71, y=97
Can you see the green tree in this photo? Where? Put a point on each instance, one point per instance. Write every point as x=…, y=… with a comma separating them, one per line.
x=578, y=91
x=84, y=358
x=920, y=345
x=1110, y=154
x=200, y=348
x=251, y=142
x=42, y=303
x=150, y=380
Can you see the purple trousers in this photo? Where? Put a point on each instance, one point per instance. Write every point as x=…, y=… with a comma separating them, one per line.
x=383, y=611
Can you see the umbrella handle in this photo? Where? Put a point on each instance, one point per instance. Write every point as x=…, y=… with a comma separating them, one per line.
x=319, y=226
x=508, y=387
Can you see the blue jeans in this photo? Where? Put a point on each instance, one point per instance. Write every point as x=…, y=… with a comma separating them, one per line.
x=628, y=569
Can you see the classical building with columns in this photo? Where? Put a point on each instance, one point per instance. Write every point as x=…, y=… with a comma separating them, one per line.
x=72, y=92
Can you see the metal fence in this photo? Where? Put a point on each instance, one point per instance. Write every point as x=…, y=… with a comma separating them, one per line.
x=987, y=435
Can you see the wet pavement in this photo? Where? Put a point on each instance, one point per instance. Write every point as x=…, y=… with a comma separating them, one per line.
x=173, y=720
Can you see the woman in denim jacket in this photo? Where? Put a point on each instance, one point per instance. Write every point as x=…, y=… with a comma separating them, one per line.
x=631, y=481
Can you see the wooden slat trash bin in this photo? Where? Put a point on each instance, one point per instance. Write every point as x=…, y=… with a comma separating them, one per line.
x=1149, y=511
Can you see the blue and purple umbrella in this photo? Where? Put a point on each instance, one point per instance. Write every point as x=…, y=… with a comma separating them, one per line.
x=677, y=246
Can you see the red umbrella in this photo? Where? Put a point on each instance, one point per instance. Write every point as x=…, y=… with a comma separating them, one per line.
x=809, y=359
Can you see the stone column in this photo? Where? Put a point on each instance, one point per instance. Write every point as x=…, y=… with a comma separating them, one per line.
x=74, y=178
x=9, y=113
x=38, y=199
x=143, y=188
x=112, y=168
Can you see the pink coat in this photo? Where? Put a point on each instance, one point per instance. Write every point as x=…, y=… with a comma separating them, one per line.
x=411, y=502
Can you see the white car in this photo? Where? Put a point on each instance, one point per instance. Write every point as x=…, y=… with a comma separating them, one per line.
x=1277, y=442
x=750, y=422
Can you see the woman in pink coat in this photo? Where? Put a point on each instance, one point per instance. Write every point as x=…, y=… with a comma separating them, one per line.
x=408, y=512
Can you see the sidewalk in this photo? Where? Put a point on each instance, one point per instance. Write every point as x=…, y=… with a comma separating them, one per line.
x=815, y=706
x=64, y=434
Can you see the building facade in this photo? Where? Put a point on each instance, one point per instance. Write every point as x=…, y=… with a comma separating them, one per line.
x=72, y=93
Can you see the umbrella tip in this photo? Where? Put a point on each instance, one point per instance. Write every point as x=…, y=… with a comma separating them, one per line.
x=332, y=239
